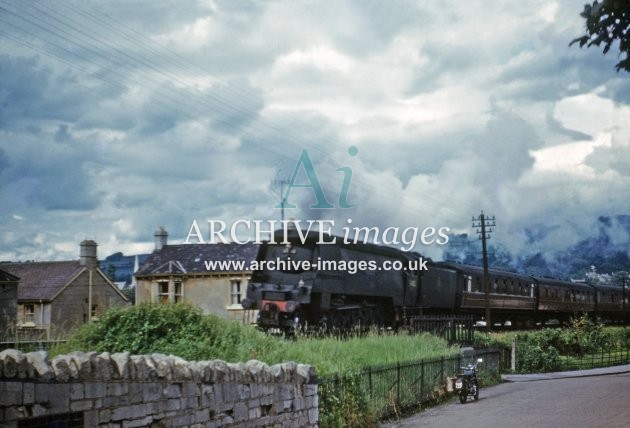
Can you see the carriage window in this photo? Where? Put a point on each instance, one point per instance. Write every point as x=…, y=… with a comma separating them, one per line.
x=478, y=286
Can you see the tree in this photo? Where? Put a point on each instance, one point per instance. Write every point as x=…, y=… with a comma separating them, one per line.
x=608, y=21
x=130, y=293
x=620, y=278
x=111, y=272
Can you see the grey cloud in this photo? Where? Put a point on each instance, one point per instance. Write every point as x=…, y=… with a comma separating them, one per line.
x=144, y=146
x=52, y=171
x=504, y=148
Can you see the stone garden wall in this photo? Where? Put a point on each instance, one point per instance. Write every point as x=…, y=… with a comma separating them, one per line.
x=122, y=390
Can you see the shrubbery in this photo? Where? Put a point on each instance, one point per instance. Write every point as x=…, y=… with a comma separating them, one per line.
x=184, y=331
x=169, y=329
x=541, y=351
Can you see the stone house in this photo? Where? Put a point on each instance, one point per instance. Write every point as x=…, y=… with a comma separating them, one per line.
x=178, y=273
x=8, y=304
x=55, y=297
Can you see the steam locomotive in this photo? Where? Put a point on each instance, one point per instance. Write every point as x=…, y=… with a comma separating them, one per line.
x=302, y=281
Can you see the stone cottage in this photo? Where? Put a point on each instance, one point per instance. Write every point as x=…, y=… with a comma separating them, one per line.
x=55, y=297
x=178, y=273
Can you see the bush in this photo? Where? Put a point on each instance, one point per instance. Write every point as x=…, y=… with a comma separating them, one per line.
x=176, y=329
x=534, y=358
x=540, y=351
x=344, y=403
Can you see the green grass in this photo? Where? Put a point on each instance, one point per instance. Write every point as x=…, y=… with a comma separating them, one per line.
x=338, y=355
x=184, y=331
x=590, y=361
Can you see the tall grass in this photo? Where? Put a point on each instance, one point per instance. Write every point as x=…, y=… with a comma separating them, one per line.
x=340, y=355
x=184, y=331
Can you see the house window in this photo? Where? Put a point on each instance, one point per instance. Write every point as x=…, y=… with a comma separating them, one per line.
x=94, y=310
x=235, y=292
x=163, y=291
x=179, y=292
x=29, y=313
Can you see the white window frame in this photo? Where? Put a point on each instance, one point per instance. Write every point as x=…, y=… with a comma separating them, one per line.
x=29, y=316
x=236, y=292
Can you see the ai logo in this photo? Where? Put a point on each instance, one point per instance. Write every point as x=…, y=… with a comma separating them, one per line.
x=305, y=163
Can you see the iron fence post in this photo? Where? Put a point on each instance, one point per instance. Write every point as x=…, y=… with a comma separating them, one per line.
x=398, y=383
x=422, y=379
x=370, y=380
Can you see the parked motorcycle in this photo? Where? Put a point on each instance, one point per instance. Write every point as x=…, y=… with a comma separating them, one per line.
x=466, y=383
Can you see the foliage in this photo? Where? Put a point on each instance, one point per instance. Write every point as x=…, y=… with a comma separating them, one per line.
x=130, y=294
x=171, y=329
x=484, y=340
x=111, y=272
x=540, y=351
x=608, y=21
x=535, y=358
x=182, y=330
x=344, y=403
x=338, y=355
x=620, y=278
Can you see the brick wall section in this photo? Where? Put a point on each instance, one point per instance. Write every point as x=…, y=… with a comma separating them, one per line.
x=122, y=390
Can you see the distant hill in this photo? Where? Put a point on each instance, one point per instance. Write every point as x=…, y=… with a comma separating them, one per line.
x=607, y=249
x=121, y=266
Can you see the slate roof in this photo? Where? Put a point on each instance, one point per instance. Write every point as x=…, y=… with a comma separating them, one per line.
x=7, y=277
x=42, y=280
x=191, y=258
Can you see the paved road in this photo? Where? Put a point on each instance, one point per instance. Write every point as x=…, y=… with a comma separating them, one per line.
x=594, y=401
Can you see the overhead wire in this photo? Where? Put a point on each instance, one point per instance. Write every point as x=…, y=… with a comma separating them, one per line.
x=174, y=100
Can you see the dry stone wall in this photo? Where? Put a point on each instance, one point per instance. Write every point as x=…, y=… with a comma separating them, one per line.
x=122, y=390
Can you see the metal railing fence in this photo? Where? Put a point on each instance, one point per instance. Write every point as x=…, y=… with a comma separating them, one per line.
x=390, y=390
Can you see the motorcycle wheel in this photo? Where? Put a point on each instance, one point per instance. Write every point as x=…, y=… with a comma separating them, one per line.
x=462, y=397
x=477, y=394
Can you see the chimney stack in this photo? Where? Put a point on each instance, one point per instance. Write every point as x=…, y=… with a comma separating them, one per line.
x=88, y=254
x=161, y=238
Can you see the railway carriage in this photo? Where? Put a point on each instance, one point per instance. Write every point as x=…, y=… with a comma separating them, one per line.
x=511, y=295
x=562, y=299
x=339, y=286
x=609, y=302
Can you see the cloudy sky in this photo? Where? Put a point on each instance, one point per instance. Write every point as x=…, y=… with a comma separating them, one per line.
x=117, y=117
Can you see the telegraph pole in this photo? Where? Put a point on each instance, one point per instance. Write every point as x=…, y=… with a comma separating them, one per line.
x=484, y=226
x=624, y=280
